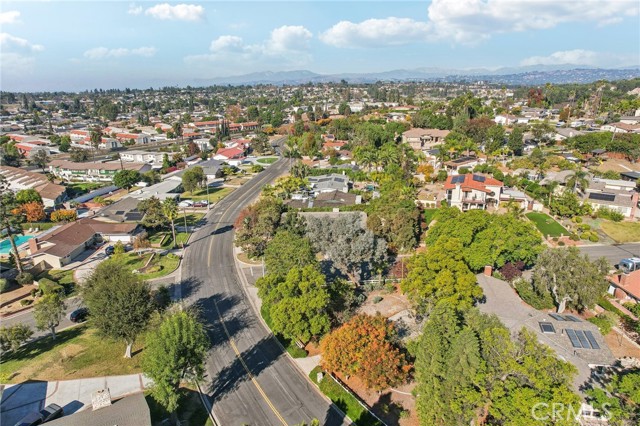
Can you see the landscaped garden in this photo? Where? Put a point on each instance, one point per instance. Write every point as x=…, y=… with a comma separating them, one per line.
x=158, y=267
x=267, y=160
x=546, y=224
x=163, y=238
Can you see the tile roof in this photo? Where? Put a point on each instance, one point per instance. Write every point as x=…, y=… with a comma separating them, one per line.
x=469, y=183
x=630, y=283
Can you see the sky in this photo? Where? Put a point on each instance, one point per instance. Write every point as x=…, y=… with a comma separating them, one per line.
x=77, y=45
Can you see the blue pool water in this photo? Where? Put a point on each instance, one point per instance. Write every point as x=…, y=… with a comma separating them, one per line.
x=5, y=245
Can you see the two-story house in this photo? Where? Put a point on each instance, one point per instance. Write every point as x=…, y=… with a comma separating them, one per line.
x=472, y=191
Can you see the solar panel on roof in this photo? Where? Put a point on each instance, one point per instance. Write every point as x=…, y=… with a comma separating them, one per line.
x=120, y=212
x=592, y=339
x=557, y=317
x=602, y=196
x=457, y=179
x=574, y=339
x=547, y=327
x=479, y=178
x=571, y=318
x=583, y=340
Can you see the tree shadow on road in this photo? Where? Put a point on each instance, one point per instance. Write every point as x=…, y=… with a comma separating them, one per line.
x=236, y=318
x=188, y=287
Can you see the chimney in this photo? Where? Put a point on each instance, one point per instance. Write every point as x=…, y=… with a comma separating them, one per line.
x=488, y=270
x=33, y=246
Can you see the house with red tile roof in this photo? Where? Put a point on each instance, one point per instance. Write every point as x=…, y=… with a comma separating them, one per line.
x=625, y=287
x=472, y=191
x=233, y=153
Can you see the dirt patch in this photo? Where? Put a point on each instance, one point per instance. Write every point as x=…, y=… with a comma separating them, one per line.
x=10, y=301
x=313, y=348
x=618, y=165
x=387, y=304
x=388, y=404
x=620, y=346
x=242, y=257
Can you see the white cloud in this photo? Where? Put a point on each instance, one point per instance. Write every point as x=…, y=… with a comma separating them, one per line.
x=15, y=64
x=134, y=10
x=582, y=57
x=226, y=42
x=9, y=17
x=376, y=32
x=289, y=44
x=8, y=42
x=471, y=21
x=103, y=52
x=178, y=12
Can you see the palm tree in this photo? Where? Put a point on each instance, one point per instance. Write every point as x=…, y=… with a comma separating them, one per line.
x=366, y=156
x=292, y=151
x=551, y=187
x=170, y=211
x=300, y=170
x=578, y=181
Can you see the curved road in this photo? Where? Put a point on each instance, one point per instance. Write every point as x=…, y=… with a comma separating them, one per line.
x=250, y=380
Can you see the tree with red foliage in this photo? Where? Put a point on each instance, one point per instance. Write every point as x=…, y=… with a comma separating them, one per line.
x=33, y=211
x=364, y=347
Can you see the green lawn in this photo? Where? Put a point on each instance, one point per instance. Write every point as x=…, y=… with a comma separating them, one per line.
x=155, y=236
x=159, y=267
x=622, y=232
x=78, y=188
x=215, y=194
x=267, y=160
x=429, y=214
x=42, y=226
x=343, y=399
x=77, y=352
x=546, y=224
x=289, y=345
x=64, y=278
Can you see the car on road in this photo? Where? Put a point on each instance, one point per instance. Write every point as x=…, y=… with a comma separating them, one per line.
x=109, y=250
x=79, y=315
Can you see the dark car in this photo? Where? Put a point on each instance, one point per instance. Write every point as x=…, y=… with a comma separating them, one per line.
x=200, y=204
x=31, y=419
x=79, y=315
x=51, y=412
x=109, y=250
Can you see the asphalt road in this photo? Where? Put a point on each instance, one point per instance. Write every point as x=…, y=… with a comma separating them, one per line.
x=26, y=317
x=250, y=380
x=613, y=253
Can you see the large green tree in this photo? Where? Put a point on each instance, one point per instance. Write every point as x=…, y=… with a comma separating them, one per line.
x=570, y=278
x=119, y=301
x=170, y=212
x=297, y=303
x=440, y=275
x=286, y=251
x=13, y=336
x=48, y=312
x=256, y=225
x=153, y=213
x=193, y=178
x=175, y=351
x=126, y=178
x=29, y=195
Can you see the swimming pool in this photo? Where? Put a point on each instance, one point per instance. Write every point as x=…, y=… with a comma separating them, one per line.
x=5, y=245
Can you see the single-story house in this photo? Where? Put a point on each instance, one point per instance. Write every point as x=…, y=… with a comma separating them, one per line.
x=51, y=193
x=59, y=247
x=329, y=183
x=622, y=201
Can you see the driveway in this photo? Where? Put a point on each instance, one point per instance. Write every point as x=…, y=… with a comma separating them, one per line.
x=84, y=264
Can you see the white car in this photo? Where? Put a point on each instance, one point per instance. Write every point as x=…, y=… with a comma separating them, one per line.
x=185, y=203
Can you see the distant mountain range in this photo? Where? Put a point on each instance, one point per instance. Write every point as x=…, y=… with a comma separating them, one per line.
x=529, y=75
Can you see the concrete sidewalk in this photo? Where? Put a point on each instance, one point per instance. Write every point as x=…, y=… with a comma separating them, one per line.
x=18, y=400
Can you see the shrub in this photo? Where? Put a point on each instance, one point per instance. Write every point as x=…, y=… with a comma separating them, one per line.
x=604, y=321
x=510, y=271
x=64, y=216
x=561, y=243
x=5, y=285
x=256, y=168
x=607, y=213
x=594, y=238
x=576, y=219
x=377, y=299
x=26, y=302
x=49, y=286
x=24, y=278
x=584, y=227
x=529, y=295
x=574, y=237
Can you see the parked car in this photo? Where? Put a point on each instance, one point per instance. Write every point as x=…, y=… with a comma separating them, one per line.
x=185, y=203
x=51, y=412
x=79, y=315
x=109, y=250
x=202, y=203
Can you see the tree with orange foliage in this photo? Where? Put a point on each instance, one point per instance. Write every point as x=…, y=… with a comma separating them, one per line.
x=33, y=211
x=364, y=347
x=64, y=216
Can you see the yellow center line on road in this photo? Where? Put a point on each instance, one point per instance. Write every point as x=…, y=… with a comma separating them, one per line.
x=233, y=344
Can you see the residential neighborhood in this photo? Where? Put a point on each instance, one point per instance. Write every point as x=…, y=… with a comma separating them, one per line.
x=221, y=237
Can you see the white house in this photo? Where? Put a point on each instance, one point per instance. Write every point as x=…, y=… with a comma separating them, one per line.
x=473, y=191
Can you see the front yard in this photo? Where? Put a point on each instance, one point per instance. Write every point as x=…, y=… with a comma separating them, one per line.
x=163, y=237
x=546, y=224
x=77, y=352
x=215, y=194
x=621, y=232
x=159, y=266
